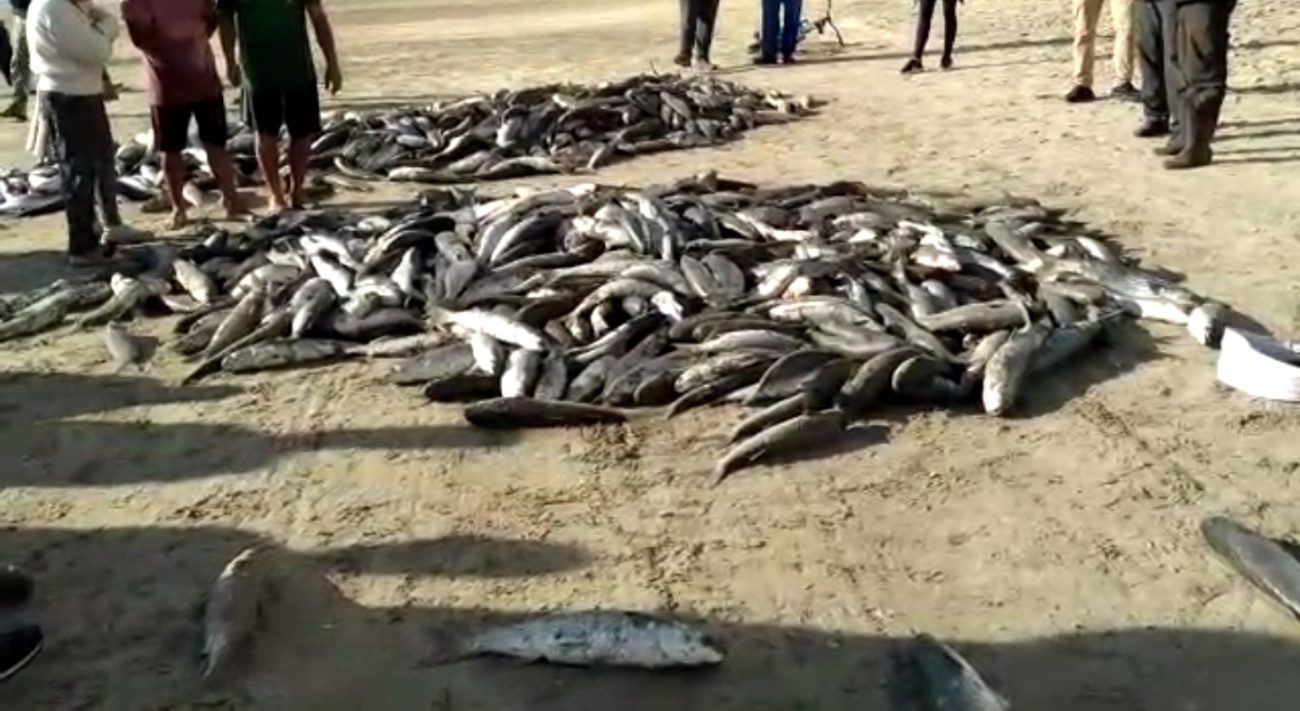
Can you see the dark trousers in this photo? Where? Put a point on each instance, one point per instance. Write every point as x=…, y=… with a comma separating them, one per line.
x=84, y=144
x=780, y=27
x=1201, y=56
x=923, y=21
x=1156, y=36
x=698, y=18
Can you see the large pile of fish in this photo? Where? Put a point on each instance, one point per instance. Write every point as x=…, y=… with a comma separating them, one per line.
x=510, y=134
x=567, y=306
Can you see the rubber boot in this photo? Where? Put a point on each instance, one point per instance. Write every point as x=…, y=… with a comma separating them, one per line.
x=1199, y=132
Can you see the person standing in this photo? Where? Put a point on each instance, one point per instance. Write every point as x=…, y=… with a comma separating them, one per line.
x=923, y=20
x=183, y=84
x=1087, y=15
x=698, y=18
x=274, y=55
x=20, y=76
x=70, y=43
x=1201, y=56
x=780, y=30
x=1154, y=20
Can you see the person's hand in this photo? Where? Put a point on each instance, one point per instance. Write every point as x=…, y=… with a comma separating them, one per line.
x=333, y=78
x=233, y=75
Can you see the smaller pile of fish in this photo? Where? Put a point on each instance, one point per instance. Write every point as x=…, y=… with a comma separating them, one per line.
x=557, y=128
x=546, y=129
x=559, y=307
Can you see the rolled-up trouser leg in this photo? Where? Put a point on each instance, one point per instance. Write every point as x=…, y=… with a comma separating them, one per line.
x=20, y=70
x=79, y=157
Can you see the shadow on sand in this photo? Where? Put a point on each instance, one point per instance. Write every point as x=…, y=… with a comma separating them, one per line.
x=120, y=611
x=34, y=415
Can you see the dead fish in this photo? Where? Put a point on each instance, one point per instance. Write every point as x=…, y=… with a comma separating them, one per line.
x=402, y=346
x=285, y=353
x=927, y=675
x=461, y=387
x=129, y=296
x=788, y=374
x=126, y=349
x=713, y=390
x=979, y=359
x=751, y=340
x=865, y=386
x=493, y=325
x=489, y=354
x=1005, y=373
x=446, y=361
x=238, y=323
x=590, y=381
x=600, y=638
x=775, y=413
x=1064, y=343
x=977, y=318
x=553, y=379
x=804, y=431
x=231, y=614
x=520, y=373
x=717, y=366
x=1265, y=563
x=194, y=281
x=526, y=413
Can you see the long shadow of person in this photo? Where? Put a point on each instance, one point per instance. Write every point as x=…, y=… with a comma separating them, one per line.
x=120, y=609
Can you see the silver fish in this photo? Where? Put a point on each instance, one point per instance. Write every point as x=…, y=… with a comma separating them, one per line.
x=600, y=638
x=231, y=614
x=1005, y=373
x=127, y=349
x=280, y=354
x=796, y=434
x=926, y=674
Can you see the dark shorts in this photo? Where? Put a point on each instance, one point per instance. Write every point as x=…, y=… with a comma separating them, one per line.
x=298, y=110
x=171, y=124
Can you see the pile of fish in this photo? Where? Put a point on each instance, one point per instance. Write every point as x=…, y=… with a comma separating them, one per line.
x=568, y=306
x=510, y=134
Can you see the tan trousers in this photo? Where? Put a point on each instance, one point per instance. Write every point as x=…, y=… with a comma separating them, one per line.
x=1087, y=14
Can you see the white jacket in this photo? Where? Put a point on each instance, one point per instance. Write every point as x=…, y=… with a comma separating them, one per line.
x=70, y=47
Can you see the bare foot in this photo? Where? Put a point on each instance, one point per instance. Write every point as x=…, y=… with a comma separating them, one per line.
x=278, y=206
x=179, y=219
x=237, y=210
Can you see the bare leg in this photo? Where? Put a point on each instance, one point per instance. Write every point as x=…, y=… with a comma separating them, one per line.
x=299, y=158
x=174, y=171
x=219, y=159
x=268, y=156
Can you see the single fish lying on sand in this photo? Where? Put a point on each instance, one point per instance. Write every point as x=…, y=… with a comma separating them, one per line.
x=230, y=616
x=927, y=675
x=599, y=638
x=1269, y=566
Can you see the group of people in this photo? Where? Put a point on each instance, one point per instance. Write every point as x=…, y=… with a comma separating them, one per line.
x=778, y=36
x=1183, y=48
x=63, y=53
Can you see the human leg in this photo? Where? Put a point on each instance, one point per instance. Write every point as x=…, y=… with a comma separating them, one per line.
x=949, y=32
x=77, y=160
